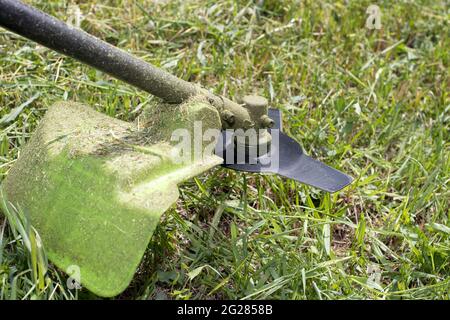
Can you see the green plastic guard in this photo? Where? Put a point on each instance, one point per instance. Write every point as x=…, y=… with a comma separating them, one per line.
x=95, y=187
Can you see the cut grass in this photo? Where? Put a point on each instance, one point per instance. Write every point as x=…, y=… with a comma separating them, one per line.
x=374, y=104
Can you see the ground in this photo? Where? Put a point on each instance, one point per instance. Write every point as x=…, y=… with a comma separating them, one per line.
x=372, y=103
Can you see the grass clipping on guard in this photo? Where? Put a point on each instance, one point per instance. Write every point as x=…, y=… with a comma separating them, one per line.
x=95, y=187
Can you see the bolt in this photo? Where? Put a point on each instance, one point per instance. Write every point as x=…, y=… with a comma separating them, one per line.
x=257, y=107
x=267, y=122
x=255, y=102
x=228, y=116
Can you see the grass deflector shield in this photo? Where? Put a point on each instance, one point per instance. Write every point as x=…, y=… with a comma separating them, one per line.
x=94, y=194
x=95, y=187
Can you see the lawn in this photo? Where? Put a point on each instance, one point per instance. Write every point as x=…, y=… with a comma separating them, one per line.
x=372, y=103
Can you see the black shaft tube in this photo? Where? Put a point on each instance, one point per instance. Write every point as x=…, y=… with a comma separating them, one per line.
x=55, y=34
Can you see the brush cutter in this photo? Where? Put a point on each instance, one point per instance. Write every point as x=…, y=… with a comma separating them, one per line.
x=95, y=187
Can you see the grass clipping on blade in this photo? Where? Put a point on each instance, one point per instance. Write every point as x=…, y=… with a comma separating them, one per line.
x=95, y=187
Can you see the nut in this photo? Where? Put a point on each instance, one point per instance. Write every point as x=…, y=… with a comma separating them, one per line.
x=255, y=101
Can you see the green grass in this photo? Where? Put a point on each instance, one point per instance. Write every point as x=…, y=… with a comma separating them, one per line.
x=374, y=104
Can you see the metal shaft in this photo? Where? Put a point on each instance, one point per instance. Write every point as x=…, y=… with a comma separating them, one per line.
x=55, y=34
